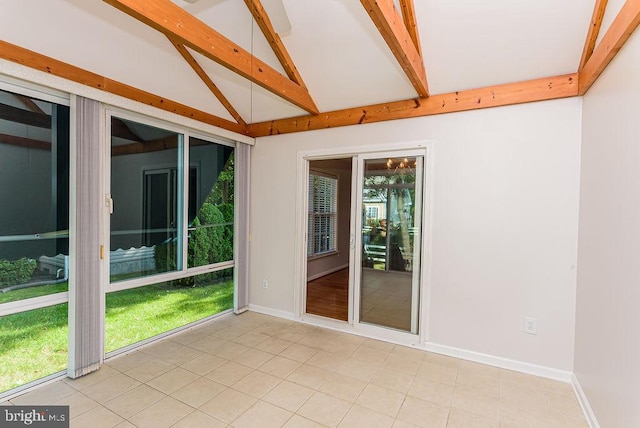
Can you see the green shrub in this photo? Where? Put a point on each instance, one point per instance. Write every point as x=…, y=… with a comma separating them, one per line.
x=16, y=272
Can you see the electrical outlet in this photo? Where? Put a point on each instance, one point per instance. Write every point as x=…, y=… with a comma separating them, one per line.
x=530, y=325
x=265, y=283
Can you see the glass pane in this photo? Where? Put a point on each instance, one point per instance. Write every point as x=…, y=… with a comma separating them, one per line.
x=390, y=223
x=211, y=186
x=33, y=345
x=140, y=313
x=146, y=188
x=34, y=218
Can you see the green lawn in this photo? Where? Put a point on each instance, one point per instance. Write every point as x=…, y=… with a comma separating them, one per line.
x=33, y=344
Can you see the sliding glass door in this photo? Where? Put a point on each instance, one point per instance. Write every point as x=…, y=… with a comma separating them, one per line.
x=390, y=207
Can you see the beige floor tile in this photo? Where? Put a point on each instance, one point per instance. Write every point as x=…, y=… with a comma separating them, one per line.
x=437, y=393
x=438, y=372
x=181, y=355
x=208, y=344
x=370, y=355
x=280, y=367
x=134, y=401
x=250, y=339
x=472, y=368
x=204, y=364
x=309, y=376
x=86, y=381
x=381, y=400
x=477, y=403
x=523, y=398
x=253, y=358
x=46, y=394
x=274, y=345
x=228, y=405
x=125, y=424
x=288, y=395
x=298, y=352
x=149, y=370
x=256, y=384
x=111, y=388
x=298, y=421
x=345, y=388
x=78, y=404
x=98, y=417
x=378, y=344
x=160, y=347
x=188, y=337
x=230, y=333
x=229, y=373
x=346, y=349
x=124, y=363
x=443, y=360
x=395, y=381
x=359, y=416
x=398, y=364
x=164, y=413
x=358, y=369
x=324, y=409
x=264, y=415
x=198, y=419
x=326, y=361
x=403, y=424
x=173, y=380
x=513, y=418
x=565, y=405
x=408, y=353
x=199, y=392
x=422, y=413
x=460, y=419
x=229, y=350
x=485, y=384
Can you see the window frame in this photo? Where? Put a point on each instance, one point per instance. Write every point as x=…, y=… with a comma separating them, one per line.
x=312, y=215
x=183, y=162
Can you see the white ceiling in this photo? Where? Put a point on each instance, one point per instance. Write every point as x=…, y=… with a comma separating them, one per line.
x=341, y=56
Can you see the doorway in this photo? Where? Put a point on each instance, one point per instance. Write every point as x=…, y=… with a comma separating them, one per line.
x=377, y=287
x=328, y=238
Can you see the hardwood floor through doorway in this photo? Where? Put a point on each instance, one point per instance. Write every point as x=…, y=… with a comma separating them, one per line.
x=328, y=296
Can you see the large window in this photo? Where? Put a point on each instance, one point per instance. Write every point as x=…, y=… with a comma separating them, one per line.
x=34, y=236
x=172, y=230
x=323, y=207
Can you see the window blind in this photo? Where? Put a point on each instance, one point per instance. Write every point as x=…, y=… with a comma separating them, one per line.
x=322, y=222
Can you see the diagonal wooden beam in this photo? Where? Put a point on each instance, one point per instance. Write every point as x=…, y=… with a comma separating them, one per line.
x=619, y=32
x=389, y=22
x=262, y=19
x=25, y=117
x=493, y=96
x=594, y=31
x=29, y=103
x=207, y=80
x=173, y=21
x=410, y=21
x=58, y=68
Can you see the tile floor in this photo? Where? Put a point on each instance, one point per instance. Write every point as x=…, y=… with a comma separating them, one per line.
x=254, y=370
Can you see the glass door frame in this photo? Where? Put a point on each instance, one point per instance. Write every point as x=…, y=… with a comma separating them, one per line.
x=416, y=148
x=416, y=277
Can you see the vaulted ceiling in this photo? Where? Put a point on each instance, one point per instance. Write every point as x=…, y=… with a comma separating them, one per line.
x=260, y=67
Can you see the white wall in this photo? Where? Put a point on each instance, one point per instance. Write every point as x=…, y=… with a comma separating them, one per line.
x=505, y=219
x=608, y=315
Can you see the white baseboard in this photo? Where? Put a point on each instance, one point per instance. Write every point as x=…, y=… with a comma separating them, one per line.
x=273, y=312
x=327, y=272
x=505, y=363
x=584, y=403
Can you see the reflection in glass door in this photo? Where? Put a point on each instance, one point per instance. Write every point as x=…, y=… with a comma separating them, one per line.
x=391, y=219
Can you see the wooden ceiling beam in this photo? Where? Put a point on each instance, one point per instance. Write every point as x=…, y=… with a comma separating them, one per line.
x=410, y=21
x=392, y=28
x=492, y=96
x=262, y=19
x=207, y=81
x=25, y=117
x=594, y=30
x=24, y=142
x=176, y=23
x=29, y=103
x=619, y=32
x=58, y=68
